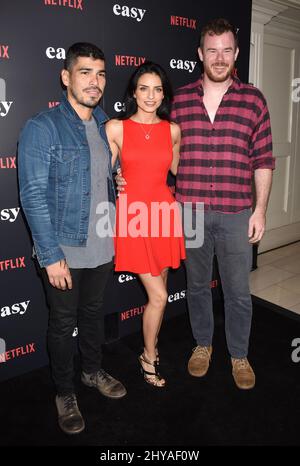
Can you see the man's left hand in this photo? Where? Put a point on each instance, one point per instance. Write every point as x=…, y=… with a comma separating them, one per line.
x=121, y=182
x=257, y=224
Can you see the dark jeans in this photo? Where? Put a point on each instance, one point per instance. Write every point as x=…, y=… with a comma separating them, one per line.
x=81, y=307
x=225, y=235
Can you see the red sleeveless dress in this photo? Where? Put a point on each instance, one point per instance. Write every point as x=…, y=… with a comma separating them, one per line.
x=148, y=223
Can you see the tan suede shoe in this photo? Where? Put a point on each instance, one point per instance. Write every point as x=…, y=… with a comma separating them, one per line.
x=199, y=361
x=243, y=374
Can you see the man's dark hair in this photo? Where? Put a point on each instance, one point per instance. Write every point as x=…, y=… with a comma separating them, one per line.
x=82, y=49
x=218, y=26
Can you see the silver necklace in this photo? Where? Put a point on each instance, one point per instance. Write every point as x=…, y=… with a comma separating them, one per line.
x=147, y=134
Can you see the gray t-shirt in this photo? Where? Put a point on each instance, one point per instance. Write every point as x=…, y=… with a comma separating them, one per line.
x=98, y=250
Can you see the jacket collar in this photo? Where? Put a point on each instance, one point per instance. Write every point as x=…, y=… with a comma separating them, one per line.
x=70, y=113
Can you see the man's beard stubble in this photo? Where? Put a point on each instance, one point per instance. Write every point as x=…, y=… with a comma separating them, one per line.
x=89, y=104
x=219, y=78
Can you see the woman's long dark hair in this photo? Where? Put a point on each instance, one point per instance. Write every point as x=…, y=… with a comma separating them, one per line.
x=164, y=109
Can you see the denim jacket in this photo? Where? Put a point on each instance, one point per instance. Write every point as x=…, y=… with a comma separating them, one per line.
x=55, y=179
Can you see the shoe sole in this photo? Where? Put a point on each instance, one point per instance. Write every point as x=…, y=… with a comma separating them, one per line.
x=195, y=374
x=244, y=388
x=115, y=397
x=73, y=432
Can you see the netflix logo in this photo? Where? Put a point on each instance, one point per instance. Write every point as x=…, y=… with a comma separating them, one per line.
x=75, y=4
x=17, y=352
x=4, y=51
x=129, y=60
x=135, y=311
x=10, y=264
x=183, y=22
x=7, y=162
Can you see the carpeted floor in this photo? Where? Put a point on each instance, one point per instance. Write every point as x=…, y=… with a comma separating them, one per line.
x=189, y=412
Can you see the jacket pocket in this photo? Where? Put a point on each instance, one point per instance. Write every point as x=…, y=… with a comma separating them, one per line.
x=66, y=160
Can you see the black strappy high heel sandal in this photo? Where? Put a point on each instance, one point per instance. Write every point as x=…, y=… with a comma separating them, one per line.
x=157, y=355
x=155, y=377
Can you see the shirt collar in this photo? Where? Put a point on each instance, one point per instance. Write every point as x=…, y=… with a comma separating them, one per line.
x=234, y=86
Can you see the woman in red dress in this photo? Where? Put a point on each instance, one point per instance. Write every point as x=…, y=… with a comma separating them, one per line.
x=149, y=236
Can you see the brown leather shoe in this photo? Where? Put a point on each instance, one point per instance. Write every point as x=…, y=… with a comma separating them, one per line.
x=199, y=361
x=243, y=374
x=70, y=419
x=105, y=383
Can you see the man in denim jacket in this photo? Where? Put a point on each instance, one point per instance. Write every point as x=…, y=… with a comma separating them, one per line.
x=65, y=178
